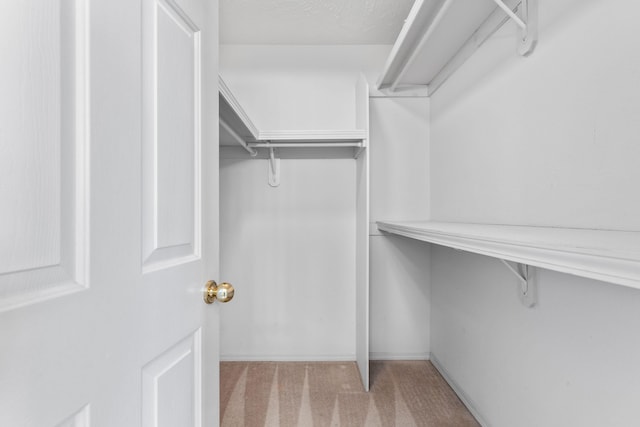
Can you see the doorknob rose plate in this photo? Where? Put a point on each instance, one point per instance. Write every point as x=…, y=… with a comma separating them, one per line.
x=222, y=292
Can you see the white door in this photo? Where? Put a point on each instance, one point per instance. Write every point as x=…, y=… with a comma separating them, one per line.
x=108, y=213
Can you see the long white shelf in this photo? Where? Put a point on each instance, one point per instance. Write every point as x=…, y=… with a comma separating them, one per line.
x=610, y=256
x=440, y=35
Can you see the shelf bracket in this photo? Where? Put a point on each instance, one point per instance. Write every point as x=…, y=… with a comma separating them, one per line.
x=274, y=168
x=359, y=150
x=528, y=23
x=524, y=273
x=238, y=138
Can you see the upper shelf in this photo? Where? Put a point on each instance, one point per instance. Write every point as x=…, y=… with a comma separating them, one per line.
x=439, y=35
x=610, y=256
x=232, y=113
x=238, y=126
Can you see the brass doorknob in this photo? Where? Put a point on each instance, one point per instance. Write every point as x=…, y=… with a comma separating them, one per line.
x=222, y=292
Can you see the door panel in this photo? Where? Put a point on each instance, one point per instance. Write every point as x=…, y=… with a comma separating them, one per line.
x=171, y=138
x=171, y=386
x=42, y=80
x=101, y=200
x=171, y=191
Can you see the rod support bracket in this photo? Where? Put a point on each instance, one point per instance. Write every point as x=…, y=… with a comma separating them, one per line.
x=525, y=274
x=527, y=23
x=359, y=150
x=238, y=138
x=529, y=35
x=274, y=168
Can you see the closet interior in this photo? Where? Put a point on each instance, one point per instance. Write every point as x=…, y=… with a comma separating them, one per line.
x=460, y=209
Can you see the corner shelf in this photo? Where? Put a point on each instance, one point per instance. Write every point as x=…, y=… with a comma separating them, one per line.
x=610, y=256
x=238, y=125
x=439, y=36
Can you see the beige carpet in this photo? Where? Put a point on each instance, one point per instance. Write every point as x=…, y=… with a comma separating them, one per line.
x=406, y=394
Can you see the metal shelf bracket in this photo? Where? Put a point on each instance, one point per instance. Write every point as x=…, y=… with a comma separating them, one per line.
x=525, y=274
x=274, y=168
x=238, y=138
x=359, y=151
x=528, y=23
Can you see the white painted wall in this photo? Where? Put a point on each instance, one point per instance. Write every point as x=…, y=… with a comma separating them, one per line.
x=551, y=139
x=300, y=87
x=547, y=140
x=399, y=283
x=570, y=361
x=290, y=253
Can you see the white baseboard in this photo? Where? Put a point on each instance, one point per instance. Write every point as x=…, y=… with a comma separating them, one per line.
x=280, y=358
x=378, y=355
x=468, y=402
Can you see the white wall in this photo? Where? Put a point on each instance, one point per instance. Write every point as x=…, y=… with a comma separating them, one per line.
x=399, y=283
x=551, y=139
x=300, y=87
x=570, y=361
x=289, y=251
x=547, y=140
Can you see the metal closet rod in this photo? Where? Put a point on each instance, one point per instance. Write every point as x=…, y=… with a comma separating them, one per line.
x=432, y=27
x=304, y=144
x=238, y=138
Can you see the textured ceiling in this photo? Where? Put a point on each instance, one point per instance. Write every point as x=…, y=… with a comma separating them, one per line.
x=312, y=21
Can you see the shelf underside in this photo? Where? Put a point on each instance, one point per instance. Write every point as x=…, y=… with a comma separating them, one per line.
x=610, y=256
x=438, y=36
x=232, y=113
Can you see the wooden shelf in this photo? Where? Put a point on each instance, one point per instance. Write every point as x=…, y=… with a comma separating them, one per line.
x=438, y=36
x=610, y=256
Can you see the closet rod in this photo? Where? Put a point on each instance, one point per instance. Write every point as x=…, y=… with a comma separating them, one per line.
x=304, y=144
x=238, y=138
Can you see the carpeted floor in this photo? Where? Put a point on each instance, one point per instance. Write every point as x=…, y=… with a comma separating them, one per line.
x=290, y=394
